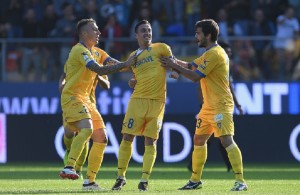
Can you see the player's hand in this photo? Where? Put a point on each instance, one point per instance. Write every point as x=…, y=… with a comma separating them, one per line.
x=131, y=61
x=174, y=74
x=240, y=109
x=103, y=82
x=167, y=62
x=132, y=82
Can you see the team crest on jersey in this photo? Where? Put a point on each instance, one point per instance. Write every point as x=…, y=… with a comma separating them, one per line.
x=97, y=53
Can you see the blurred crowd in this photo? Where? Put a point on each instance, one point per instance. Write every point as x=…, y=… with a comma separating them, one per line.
x=271, y=53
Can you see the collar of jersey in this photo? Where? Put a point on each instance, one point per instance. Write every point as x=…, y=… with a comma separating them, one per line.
x=211, y=46
x=85, y=46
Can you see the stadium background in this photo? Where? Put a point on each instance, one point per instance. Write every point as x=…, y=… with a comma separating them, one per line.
x=35, y=38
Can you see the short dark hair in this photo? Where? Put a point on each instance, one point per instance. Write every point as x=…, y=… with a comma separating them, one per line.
x=209, y=26
x=139, y=24
x=82, y=23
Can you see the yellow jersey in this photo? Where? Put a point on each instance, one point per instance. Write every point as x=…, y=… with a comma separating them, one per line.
x=80, y=81
x=213, y=66
x=149, y=74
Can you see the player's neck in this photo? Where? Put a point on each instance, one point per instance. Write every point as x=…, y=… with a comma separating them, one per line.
x=144, y=46
x=210, y=45
x=86, y=44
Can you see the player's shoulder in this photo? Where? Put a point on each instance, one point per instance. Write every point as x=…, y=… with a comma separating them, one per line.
x=79, y=48
x=99, y=50
x=160, y=45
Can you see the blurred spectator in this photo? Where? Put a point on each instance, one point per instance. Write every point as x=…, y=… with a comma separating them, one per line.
x=49, y=21
x=14, y=16
x=145, y=14
x=37, y=6
x=91, y=11
x=210, y=8
x=271, y=8
x=31, y=52
x=6, y=30
x=50, y=53
x=287, y=30
x=192, y=11
x=227, y=28
x=243, y=64
x=296, y=6
x=163, y=10
x=260, y=27
x=78, y=6
x=121, y=9
x=65, y=27
x=239, y=13
x=113, y=30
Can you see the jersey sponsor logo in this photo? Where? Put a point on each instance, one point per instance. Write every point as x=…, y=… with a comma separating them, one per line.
x=143, y=61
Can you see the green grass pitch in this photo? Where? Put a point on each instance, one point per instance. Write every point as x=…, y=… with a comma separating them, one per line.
x=42, y=178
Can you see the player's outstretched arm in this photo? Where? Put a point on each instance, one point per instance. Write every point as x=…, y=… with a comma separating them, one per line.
x=105, y=70
x=171, y=63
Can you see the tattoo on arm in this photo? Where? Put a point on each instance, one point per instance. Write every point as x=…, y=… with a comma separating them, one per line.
x=111, y=61
x=189, y=66
x=104, y=70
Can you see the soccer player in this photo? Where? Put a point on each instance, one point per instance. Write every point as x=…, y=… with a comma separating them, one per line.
x=79, y=112
x=216, y=115
x=228, y=50
x=69, y=134
x=146, y=107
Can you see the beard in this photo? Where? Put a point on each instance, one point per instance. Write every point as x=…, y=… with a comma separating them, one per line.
x=203, y=43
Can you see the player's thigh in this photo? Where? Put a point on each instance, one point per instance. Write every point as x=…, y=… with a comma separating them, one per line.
x=98, y=122
x=203, y=126
x=134, y=119
x=223, y=125
x=154, y=119
x=75, y=111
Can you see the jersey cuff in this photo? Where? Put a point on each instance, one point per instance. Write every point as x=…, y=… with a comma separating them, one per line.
x=106, y=60
x=89, y=63
x=200, y=73
x=194, y=64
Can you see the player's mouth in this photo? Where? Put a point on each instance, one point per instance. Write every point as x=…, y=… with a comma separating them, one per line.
x=147, y=38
